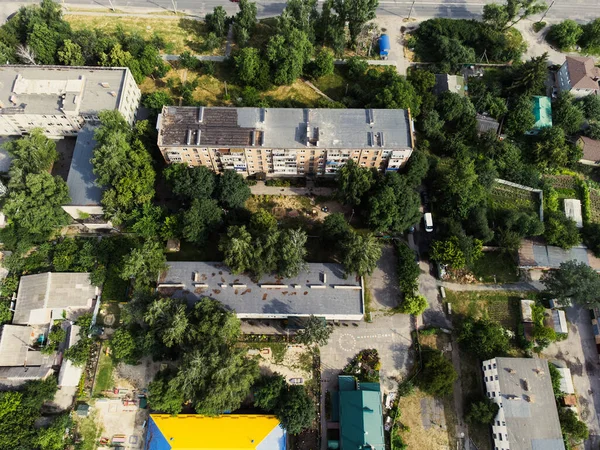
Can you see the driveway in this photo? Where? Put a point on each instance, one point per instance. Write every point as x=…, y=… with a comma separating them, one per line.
x=579, y=354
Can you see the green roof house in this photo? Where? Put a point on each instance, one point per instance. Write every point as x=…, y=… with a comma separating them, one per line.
x=360, y=415
x=542, y=110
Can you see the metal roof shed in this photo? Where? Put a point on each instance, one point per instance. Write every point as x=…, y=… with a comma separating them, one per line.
x=566, y=380
x=573, y=211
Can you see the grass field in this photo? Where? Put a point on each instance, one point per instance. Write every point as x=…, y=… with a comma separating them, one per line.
x=179, y=34
x=89, y=432
x=333, y=85
x=501, y=306
x=104, y=378
x=495, y=267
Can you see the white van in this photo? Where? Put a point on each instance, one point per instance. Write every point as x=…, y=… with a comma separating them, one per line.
x=428, y=222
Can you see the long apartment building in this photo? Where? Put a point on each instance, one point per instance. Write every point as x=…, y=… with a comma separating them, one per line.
x=285, y=141
x=62, y=100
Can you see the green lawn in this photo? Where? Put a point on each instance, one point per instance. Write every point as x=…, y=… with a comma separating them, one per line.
x=192, y=252
x=104, y=378
x=278, y=349
x=89, y=432
x=333, y=85
x=495, y=267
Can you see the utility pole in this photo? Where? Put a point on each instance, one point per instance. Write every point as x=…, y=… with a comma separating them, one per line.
x=111, y=5
x=411, y=10
x=174, y=2
x=547, y=11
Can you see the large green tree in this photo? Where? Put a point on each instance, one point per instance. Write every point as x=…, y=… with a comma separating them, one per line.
x=561, y=231
x=566, y=114
x=216, y=21
x=268, y=391
x=248, y=65
x=520, y=116
x=573, y=281
x=484, y=338
x=288, y=53
x=565, y=34
x=292, y=247
x=356, y=13
x=361, y=254
x=529, y=78
x=191, y=183
x=353, y=182
x=315, y=331
x=238, y=249
x=296, y=411
x=232, y=190
x=34, y=153
x=437, y=376
x=505, y=16
x=203, y=217
x=144, y=263
x=408, y=268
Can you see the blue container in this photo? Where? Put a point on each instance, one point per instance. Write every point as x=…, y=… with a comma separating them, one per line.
x=384, y=45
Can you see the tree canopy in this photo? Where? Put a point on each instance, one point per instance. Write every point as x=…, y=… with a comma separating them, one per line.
x=573, y=281
x=484, y=338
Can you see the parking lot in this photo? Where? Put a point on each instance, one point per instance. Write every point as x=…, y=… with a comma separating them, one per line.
x=578, y=353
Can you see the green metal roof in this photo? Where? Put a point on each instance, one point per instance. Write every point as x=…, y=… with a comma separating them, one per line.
x=361, y=417
x=542, y=110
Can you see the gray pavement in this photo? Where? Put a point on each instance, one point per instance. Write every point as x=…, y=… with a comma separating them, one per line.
x=578, y=352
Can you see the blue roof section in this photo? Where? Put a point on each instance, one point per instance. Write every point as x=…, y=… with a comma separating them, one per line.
x=275, y=440
x=384, y=44
x=81, y=179
x=376, y=387
x=346, y=383
x=154, y=438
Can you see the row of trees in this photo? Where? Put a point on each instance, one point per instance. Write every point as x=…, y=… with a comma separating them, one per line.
x=568, y=34
x=38, y=34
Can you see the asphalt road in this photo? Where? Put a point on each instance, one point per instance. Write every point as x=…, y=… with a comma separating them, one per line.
x=583, y=10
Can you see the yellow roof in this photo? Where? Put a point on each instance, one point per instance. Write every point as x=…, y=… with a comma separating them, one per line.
x=229, y=431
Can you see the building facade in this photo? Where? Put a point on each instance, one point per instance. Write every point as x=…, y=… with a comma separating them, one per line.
x=285, y=141
x=62, y=100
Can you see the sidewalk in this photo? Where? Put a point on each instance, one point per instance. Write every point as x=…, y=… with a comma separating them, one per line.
x=261, y=189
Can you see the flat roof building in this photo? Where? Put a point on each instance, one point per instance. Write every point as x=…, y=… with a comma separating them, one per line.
x=44, y=297
x=537, y=255
x=285, y=141
x=321, y=290
x=225, y=432
x=62, y=99
x=527, y=418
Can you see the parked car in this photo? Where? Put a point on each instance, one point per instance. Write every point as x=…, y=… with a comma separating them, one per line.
x=428, y=219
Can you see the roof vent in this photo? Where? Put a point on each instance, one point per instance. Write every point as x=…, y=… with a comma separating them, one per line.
x=371, y=117
x=200, y=114
x=188, y=137
x=263, y=115
x=371, y=139
x=105, y=85
x=381, y=141
x=113, y=93
x=199, y=133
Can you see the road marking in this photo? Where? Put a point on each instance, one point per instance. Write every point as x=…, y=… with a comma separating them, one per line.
x=371, y=336
x=347, y=342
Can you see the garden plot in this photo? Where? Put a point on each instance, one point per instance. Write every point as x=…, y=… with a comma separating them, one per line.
x=595, y=205
x=504, y=197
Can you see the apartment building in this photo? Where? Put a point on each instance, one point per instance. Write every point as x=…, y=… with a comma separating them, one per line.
x=62, y=100
x=285, y=141
x=527, y=417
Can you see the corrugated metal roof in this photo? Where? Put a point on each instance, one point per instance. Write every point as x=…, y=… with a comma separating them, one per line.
x=81, y=179
x=542, y=110
x=566, y=380
x=16, y=343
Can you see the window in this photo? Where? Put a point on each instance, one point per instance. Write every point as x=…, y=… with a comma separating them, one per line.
x=486, y=379
x=496, y=377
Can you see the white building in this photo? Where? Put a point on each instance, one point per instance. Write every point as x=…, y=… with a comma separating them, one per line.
x=62, y=99
x=573, y=211
x=527, y=417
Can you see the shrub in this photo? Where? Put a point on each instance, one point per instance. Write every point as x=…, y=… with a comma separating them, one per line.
x=538, y=26
x=438, y=375
x=414, y=305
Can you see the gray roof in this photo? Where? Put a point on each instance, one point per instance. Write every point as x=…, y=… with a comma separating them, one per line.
x=452, y=83
x=16, y=376
x=81, y=179
x=39, y=294
x=284, y=128
x=486, y=123
x=14, y=351
x=194, y=280
x=39, y=89
x=532, y=425
x=534, y=254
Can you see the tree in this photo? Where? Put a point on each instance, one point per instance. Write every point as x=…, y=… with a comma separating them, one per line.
x=296, y=411
x=237, y=249
x=414, y=304
x=70, y=54
x=484, y=338
x=459, y=187
x=573, y=281
x=335, y=229
x=122, y=344
x=163, y=395
x=145, y=263
x=394, y=206
x=203, y=217
x=169, y=320
x=292, y=247
x=394, y=91
x=323, y=63
x=571, y=426
x=556, y=378
x=79, y=353
x=408, y=268
x=34, y=153
x=416, y=168
x=288, y=53
x=590, y=40
x=551, y=149
x=590, y=104
x=566, y=114
x=189, y=183
x=561, y=231
x=530, y=77
x=5, y=313
x=262, y=222
x=448, y=252
x=483, y=412
x=353, y=182
x=248, y=65
x=438, y=375
x=232, y=190
x=315, y=331
x=505, y=16
x=216, y=21
x=591, y=237
x=268, y=391
x=36, y=207
x=188, y=61
x=361, y=253
x=356, y=13
x=565, y=34
x=156, y=100
x=43, y=42
x=495, y=15
x=520, y=116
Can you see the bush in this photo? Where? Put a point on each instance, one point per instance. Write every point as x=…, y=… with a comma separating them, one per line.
x=408, y=269
x=278, y=182
x=565, y=34
x=483, y=411
x=438, y=375
x=414, y=305
x=484, y=338
x=538, y=26
x=586, y=203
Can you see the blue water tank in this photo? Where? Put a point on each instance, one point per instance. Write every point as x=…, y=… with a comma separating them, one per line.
x=384, y=45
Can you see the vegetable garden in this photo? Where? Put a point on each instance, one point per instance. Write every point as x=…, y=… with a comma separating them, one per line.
x=504, y=197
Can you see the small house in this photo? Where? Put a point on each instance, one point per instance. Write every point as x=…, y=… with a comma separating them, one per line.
x=449, y=83
x=566, y=380
x=542, y=111
x=486, y=124
x=579, y=76
x=591, y=150
x=573, y=211
x=557, y=320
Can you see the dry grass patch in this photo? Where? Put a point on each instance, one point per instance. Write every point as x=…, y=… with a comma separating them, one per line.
x=501, y=306
x=412, y=430
x=180, y=34
x=297, y=91
x=280, y=202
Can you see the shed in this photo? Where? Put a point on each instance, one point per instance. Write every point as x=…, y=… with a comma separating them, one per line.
x=83, y=410
x=566, y=380
x=384, y=45
x=560, y=321
x=573, y=211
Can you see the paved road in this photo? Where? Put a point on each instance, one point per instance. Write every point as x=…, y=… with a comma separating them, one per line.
x=575, y=9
